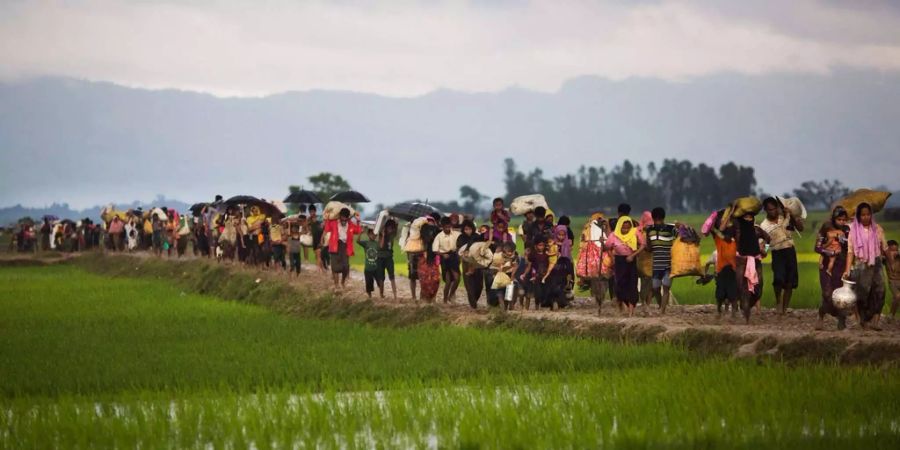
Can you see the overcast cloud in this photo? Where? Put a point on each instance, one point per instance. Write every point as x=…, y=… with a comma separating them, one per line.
x=410, y=48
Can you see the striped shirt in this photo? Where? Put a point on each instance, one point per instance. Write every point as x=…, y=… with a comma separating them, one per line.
x=659, y=241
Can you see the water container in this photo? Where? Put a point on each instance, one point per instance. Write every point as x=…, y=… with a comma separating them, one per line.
x=844, y=297
x=510, y=289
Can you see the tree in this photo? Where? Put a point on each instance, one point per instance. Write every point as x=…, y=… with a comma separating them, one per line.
x=735, y=182
x=326, y=184
x=820, y=194
x=471, y=199
x=515, y=181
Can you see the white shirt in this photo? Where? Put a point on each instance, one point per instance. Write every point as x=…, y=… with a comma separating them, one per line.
x=342, y=231
x=445, y=242
x=779, y=236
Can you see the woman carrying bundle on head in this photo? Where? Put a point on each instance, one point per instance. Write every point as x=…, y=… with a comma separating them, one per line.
x=751, y=240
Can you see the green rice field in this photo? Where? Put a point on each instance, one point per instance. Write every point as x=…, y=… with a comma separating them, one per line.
x=88, y=361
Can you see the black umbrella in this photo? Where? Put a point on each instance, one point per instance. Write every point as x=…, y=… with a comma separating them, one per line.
x=249, y=200
x=302, y=196
x=197, y=208
x=412, y=210
x=350, y=197
x=242, y=200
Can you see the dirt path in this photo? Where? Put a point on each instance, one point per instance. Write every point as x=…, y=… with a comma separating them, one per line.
x=797, y=322
x=767, y=333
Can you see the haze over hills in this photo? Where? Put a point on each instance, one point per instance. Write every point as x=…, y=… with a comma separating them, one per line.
x=85, y=143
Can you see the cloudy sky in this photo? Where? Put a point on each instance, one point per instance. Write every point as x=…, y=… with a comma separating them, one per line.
x=836, y=50
x=402, y=48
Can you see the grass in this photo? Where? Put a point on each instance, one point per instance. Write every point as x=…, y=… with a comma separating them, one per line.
x=114, y=334
x=89, y=361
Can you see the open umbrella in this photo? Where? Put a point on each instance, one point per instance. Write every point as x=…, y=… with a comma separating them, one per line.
x=197, y=208
x=248, y=200
x=50, y=218
x=349, y=197
x=280, y=205
x=302, y=196
x=242, y=200
x=412, y=210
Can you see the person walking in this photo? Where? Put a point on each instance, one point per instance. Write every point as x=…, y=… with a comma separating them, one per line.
x=340, y=233
x=625, y=243
x=445, y=247
x=785, y=270
x=865, y=256
x=836, y=259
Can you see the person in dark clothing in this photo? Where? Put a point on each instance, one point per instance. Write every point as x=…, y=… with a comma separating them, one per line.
x=386, y=253
x=837, y=260
x=473, y=277
x=537, y=270
x=749, y=252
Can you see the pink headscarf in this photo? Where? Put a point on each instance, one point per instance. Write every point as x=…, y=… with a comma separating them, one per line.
x=865, y=248
x=565, y=245
x=646, y=220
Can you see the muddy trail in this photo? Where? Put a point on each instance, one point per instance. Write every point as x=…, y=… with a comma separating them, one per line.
x=789, y=337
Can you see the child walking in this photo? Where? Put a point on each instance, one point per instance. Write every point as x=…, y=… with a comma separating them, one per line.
x=371, y=271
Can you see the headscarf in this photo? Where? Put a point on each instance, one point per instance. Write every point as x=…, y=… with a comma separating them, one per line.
x=630, y=238
x=565, y=245
x=586, y=230
x=865, y=247
x=646, y=220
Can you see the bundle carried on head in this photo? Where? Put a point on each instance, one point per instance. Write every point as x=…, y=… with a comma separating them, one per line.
x=746, y=205
x=527, y=203
x=741, y=207
x=109, y=211
x=875, y=199
x=333, y=210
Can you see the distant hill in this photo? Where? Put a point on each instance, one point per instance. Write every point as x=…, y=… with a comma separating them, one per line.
x=89, y=142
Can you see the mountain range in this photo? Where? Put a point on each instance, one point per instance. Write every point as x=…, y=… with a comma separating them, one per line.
x=89, y=143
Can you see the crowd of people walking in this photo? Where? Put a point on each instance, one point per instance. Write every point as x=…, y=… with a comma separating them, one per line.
x=626, y=260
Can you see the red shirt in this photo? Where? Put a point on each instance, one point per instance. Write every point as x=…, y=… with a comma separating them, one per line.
x=331, y=226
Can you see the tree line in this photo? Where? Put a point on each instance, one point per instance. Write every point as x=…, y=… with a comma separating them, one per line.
x=680, y=186
x=677, y=185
